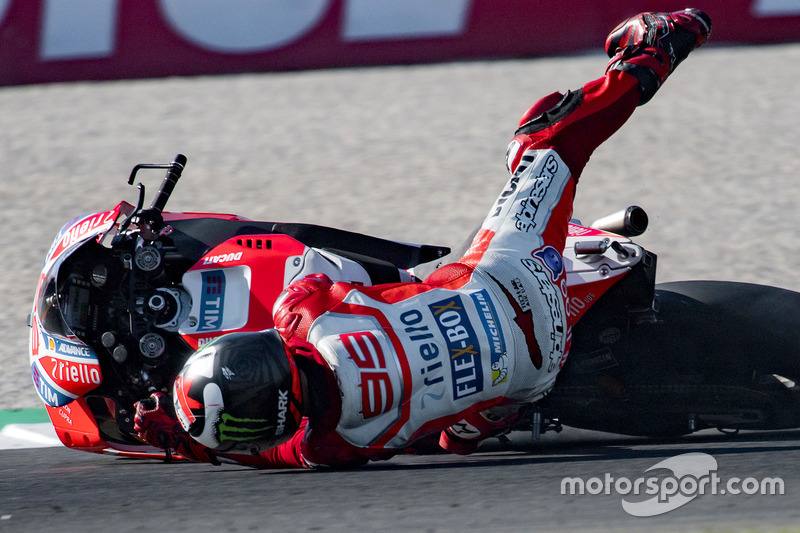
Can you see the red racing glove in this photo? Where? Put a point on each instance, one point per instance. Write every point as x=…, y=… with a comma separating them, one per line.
x=157, y=425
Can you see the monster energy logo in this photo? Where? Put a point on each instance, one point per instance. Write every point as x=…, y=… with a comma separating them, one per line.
x=236, y=429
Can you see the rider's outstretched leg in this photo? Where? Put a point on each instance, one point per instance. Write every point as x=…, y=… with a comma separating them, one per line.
x=644, y=51
x=650, y=46
x=516, y=254
x=559, y=133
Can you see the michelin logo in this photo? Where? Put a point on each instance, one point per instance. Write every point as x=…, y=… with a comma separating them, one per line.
x=497, y=344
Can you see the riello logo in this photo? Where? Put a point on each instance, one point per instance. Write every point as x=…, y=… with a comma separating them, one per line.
x=82, y=29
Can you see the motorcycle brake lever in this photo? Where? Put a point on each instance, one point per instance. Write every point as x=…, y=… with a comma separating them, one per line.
x=151, y=219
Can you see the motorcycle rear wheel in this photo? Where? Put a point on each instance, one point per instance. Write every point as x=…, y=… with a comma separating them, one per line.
x=713, y=354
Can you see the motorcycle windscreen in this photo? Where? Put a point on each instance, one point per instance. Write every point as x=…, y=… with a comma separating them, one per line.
x=63, y=367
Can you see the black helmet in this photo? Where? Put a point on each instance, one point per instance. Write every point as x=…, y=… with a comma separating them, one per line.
x=240, y=393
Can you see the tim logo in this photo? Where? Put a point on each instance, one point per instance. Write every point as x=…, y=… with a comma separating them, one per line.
x=51, y=397
x=212, y=300
x=462, y=345
x=377, y=395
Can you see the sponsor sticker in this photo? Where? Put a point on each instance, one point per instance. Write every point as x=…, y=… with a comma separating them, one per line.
x=222, y=258
x=80, y=229
x=65, y=347
x=462, y=346
x=526, y=217
x=523, y=316
x=511, y=188
x=593, y=362
x=50, y=395
x=555, y=305
x=236, y=429
x=497, y=344
x=552, y=260
x=212, y=300
x=422, y=343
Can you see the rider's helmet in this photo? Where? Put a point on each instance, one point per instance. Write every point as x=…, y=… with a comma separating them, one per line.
x=240, y=393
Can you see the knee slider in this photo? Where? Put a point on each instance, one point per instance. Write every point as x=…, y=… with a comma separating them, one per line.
x=563, y=107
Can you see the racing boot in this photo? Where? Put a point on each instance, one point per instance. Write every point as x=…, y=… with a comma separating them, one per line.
x=651, y=45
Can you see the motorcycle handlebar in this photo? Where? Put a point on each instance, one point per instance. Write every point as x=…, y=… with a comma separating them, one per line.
x=174, y=172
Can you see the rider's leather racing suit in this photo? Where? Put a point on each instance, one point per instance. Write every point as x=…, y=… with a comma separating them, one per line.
x=459, y=353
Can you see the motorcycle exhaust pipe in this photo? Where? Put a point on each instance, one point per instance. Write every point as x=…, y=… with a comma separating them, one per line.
x=630, y=222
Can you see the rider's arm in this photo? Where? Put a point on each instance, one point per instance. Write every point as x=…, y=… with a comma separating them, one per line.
x=286, y=455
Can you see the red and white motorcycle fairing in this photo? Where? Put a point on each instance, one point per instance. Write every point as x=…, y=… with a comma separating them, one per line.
x=62, y=366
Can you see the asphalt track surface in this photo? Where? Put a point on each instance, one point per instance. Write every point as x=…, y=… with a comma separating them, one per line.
x=57, y=489
x=413, y=153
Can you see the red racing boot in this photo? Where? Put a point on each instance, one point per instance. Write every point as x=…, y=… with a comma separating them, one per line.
x=651, y=45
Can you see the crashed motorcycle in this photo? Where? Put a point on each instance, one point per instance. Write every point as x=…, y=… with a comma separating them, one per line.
x=126, y=295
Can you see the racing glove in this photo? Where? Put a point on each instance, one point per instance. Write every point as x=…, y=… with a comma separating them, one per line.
x=157, y=425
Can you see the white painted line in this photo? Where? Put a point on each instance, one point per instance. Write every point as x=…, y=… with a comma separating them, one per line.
x=19, y=436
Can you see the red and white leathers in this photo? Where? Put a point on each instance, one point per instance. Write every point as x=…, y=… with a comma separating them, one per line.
x=459, y=353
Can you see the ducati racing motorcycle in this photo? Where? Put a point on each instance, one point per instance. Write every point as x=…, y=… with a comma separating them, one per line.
x=126, y=295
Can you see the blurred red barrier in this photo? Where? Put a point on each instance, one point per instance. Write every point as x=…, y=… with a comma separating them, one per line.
x=63, y=40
